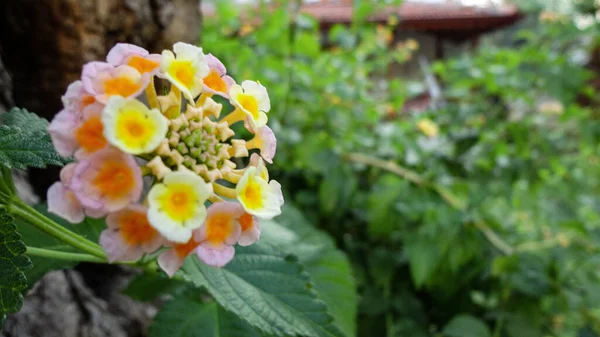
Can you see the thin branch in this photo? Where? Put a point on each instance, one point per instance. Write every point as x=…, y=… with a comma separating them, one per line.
x=445, y=194
x=387, y=165
x=493, y=238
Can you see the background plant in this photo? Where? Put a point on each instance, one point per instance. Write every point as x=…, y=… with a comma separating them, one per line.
x=489, y=217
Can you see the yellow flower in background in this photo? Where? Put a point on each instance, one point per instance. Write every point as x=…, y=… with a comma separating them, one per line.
x=246, y=29
x=132, y=127
x=384, y=34
x=177, y=205
x=335, y=99
x=428, y=127
x=563, y=239
x=551, y=107
x=412, y=44
x=552, y=17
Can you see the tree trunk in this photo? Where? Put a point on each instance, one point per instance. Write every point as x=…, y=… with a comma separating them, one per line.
x=44, y=44
x=62, y=305
x=6, y=101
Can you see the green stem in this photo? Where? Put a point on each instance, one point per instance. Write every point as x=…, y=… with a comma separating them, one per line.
x=41, y=222
x=7, y=177
x=53, y=254
x=149, y=266
x=6, y=182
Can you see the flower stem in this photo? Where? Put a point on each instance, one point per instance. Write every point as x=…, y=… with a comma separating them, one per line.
x=43, y=223
x=53, y=254
x=151, y=95
x=202, y=99
x=224, y=191
x=177, y=109
x=254, y=143
x=232, y=177
x=215, y=198
x=233, y=117
x=7, y=180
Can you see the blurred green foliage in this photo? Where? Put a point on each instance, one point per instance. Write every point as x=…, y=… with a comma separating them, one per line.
x=479, y=218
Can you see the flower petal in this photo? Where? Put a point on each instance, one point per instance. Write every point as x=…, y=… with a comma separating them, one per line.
x=257, y=196
x=216, y=257
x=177, y=204
x=107, y=181
x=132, y=127
x=62, y=202
x=221, y=225
x=116, y=249
x=170, y=262
x=89, y=74
x=61, y=130
x=250, y=229
x=121, y=51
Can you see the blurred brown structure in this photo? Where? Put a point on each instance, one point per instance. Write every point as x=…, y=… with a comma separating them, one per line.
x=441, y=28
x=438, y=26
x=43, y=44
x=449, y=20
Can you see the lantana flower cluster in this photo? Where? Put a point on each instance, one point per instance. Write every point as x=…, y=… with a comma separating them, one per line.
x=126, y=140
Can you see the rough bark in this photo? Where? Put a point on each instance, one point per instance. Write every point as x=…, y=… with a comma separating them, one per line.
x=62, y=304
x=44, y=44
x=6, y=101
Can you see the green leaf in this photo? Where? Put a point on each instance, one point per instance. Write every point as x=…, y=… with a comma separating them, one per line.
x=387, y=192
x=268, y=289
x=423, y=256
x=21, y=149
x=328, y=267
x=89, y=228
x=27, y=121
x=12, y=264
x=190, y=316
x=148, y=286
x=522, y=325
x=466, y=326
x=331, y=274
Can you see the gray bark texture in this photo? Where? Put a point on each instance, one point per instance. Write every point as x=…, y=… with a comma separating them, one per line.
x=62, y=304
x=6, y=101
x=45, y=43
x=43, y=46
